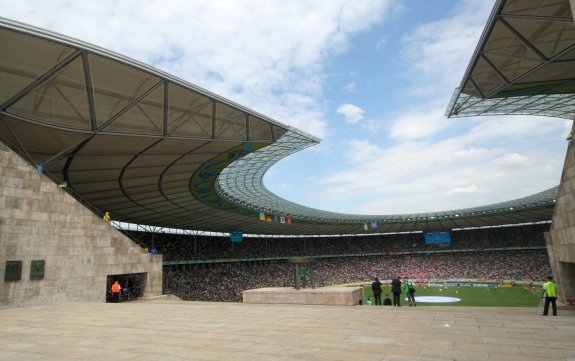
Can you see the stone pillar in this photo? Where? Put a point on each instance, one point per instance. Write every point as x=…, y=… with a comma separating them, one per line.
x=561, y=237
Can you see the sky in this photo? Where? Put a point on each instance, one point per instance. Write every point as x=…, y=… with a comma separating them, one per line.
x=372, y=79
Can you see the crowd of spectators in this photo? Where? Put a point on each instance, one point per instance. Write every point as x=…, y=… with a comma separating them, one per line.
x=180, y=247
x=472, y=254
x=226, y=281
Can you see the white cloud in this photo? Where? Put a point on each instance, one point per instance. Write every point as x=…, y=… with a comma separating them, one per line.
x=350, y=87
x=511, y=160
x=374, y=126
x=472, y=188
x=361, y=151
x=475, y=168
x=436, y=163
x=352, y=113
x=438, y=52
x=419, y=124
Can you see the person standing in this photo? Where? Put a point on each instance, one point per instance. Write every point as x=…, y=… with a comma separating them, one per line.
x=550, y=294
x=405, y=288
x=376, y=288
x=396, y=289
x=411, y=294
x=116, y=289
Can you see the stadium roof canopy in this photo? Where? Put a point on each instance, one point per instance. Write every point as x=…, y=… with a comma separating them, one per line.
x=524, y=63
x=155, y=150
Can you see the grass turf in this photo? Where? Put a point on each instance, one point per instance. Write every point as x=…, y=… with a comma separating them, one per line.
x=470, y=296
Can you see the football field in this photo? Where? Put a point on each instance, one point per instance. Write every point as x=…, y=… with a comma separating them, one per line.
x=465, y=296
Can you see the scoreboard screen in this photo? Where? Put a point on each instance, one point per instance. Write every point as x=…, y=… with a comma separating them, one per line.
x=435, y=237
x=236, y=236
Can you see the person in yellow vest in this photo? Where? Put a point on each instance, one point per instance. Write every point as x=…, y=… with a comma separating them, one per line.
x=550, y=294
x=116, y=288
x=107, y=217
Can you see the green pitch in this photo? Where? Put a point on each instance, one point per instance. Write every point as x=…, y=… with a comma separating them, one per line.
x=470, y=296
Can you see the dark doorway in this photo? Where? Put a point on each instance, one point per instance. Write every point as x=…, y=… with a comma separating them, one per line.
x=133, y=286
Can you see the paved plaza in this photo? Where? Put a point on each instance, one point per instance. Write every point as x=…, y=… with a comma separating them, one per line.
x=174, y=330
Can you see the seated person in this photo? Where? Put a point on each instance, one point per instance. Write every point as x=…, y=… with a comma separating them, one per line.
x=387, y=301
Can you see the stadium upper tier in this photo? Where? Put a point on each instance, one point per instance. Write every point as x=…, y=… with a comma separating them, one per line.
x=155, y=150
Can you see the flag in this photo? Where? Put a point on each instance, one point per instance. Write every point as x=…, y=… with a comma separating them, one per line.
x=268, y=217
x=289, y=220
x=570, y=136
x=365, y=227
x=282, y=219
x=276, y=218
x=373, y=225
x=262, y=216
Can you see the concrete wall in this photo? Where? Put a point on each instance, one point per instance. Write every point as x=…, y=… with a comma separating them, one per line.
x=342, y=296
x=40, y=221
x=561, y=237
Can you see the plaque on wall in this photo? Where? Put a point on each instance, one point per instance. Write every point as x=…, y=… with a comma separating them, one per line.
x=13, y=271
x=37, y=270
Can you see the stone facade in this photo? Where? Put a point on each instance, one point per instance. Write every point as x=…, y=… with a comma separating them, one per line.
x=561, y=237
x=41, y=222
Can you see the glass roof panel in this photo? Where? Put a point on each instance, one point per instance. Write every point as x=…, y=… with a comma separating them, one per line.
x=553, y=105
x=241, y=183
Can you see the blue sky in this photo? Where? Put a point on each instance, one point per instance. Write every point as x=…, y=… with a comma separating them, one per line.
x=370, y=78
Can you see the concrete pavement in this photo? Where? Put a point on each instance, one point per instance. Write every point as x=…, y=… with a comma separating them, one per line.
x=176, y=330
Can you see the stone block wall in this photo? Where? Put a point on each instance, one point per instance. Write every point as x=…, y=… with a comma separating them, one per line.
x=561, y=237
x=41, y=222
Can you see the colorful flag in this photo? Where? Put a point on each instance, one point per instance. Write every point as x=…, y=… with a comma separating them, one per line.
x=276, y=218
x=289, y=220
x=373, y=225
x=262, y=216
x=282, y=219
x=268, y=217
x=365, y=226
x=570, y=136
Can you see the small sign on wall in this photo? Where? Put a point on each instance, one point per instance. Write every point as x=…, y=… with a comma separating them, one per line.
x=13, y=271
x=37, y=270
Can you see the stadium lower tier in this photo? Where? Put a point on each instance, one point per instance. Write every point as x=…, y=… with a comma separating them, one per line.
x=224, y=282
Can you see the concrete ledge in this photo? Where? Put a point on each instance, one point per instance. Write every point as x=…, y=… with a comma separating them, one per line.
x=342, y=296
